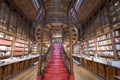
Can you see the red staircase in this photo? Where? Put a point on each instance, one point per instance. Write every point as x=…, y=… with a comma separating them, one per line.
x=56, y=69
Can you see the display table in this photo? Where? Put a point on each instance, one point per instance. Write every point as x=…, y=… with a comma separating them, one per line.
x=10, y=67
x=102, y=67
x=116, y=77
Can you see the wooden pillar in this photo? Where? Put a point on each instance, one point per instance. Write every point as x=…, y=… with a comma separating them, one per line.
x=113, y=43
x=40, y=54
x=71, y=51
x=70, y=31
x=45, y=57
x=41, y=51
x=13, y=46
x=51, y=38
x=15, y=35
x=62, y=38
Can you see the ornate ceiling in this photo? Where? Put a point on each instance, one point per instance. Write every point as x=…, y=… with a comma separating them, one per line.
x=55, y=6
x=57, y=9
x=48, y=30
x=87, y=8
x=27, y=8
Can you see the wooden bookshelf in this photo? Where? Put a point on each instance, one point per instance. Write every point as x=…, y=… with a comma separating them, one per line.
x=5, y=45
x=35, y=48
x=92, y=46
x=104, y=45
x=14, y=33
x=21, y=47
x=84, y=47
x=116, y=34
x=104, y=26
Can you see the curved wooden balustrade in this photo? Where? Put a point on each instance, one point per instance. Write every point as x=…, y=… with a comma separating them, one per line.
x=66, y=59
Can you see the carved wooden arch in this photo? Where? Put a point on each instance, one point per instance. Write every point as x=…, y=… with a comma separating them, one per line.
x=57, y=29
x=47, y=32
x=38, y=31
x=74, y=34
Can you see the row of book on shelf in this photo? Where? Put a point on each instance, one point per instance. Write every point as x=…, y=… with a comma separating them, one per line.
x=102, y=45
x=6, y=44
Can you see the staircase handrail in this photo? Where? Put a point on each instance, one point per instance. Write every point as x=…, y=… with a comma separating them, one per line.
x=65, y=54
x=47, y=57
x=66, y=59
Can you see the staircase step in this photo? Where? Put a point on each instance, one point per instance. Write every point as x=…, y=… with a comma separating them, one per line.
x=56, y=55
x=56, y=60
x=56, y=69
x=55, y=66
x=56, y=78
x=55, y=72
x=56, y=63
x=56, y=75
x=62, y=70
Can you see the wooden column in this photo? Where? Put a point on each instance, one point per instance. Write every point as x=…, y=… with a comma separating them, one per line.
x=113, y=43
x=70, y=31
x=62, y=38
x=45, y=60
x=71, y=51
x=41, y=51
x=15, y=36
x=40, y=54
x=51, y=38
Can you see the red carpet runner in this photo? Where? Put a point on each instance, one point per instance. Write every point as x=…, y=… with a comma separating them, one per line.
x=56, y=69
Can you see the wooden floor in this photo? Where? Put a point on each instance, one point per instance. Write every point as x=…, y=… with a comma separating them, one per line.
x=80, y=74
x=84, y=74
x=29, y=74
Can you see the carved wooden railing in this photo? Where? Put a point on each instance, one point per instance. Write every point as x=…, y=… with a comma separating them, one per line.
x=66, y=59
x=47, y=55
x=46, y=58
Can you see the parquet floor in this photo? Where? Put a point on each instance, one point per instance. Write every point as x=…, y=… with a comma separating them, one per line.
x=84, y=74
x=29, y=74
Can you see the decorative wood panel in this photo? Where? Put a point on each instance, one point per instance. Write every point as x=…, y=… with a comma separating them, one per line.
x=86, y=9
x=27, y=7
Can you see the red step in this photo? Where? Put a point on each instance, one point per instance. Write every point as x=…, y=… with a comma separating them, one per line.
x=55, y=72
x=56, y=69
x=65, y=75
x=56, y=66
